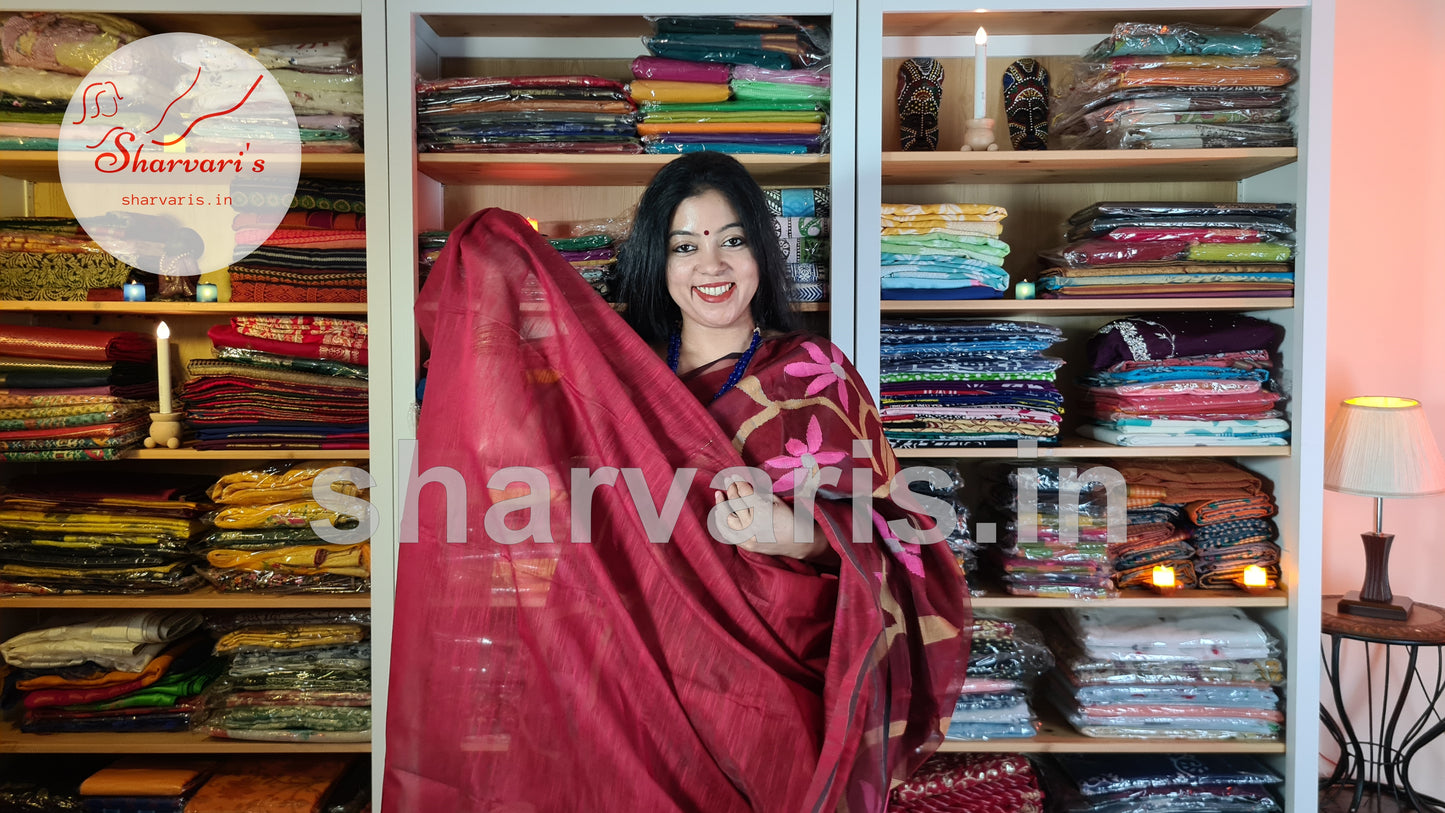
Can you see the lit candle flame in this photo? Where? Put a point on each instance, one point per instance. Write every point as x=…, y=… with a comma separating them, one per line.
x=162, y=331
x=1254, y=576
x=981, y=37
x=1163, y=576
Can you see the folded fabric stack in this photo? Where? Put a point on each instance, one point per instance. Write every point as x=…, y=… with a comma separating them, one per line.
x=263, y=538
x=322, y=78
x=1174, y=250
x=294, y=783
x=1184, y=379
x=733, y=84
x=138, y=671
x=804, y=217
x=316, y=254
x=959, y=538
x=280, y=382
x=1058, y=549
x=293, y=676
x=44, y=56
x=1208, y=519
x=155, y=784
x=943, y=251
x=1196, y=673
x=1167, y=783
x=52, y=259
x=99, y=533
x=74, y=394
x=1005, y=659
x=964, y=382
x=568, y=114
x=1180, y=86
x=595, y=258
x=998, y=783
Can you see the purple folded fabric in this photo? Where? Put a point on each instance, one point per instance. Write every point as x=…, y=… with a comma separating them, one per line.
x=680, y=70
x=1166, y=335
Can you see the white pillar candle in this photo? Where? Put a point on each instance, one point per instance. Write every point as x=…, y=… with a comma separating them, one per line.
x=163, y=365
x=980, y=73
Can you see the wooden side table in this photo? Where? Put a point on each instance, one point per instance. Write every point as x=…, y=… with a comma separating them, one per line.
x=1380, y=762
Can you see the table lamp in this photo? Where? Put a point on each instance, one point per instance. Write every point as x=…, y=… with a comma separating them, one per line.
x=1381, y=447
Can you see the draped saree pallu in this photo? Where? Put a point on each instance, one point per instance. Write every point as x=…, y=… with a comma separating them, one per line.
x=602, y=669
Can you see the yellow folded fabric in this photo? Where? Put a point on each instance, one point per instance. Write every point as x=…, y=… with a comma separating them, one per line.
x=346, y=560
x=980, y=211
x=653, y=90
x=292, y=636
x=256, y=486
x=993, y=229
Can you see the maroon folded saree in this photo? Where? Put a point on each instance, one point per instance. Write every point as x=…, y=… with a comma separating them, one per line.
x=619, y=674
x=26, y=341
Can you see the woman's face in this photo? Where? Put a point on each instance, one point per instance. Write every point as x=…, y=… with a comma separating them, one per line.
x=711, y=271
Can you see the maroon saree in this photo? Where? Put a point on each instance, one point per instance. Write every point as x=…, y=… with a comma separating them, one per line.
x=596, y=670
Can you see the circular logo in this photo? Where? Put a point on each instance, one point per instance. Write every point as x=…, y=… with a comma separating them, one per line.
x=179, y=154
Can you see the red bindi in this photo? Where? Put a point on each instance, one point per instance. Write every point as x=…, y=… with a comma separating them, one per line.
x=705, y=232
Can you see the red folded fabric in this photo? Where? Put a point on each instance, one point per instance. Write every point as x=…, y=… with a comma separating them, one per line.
x=67, y=344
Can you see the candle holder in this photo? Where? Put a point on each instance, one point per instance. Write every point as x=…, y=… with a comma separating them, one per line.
x=165, y=430
x=1265, y=589
x=1164, y=589
x=978, y=136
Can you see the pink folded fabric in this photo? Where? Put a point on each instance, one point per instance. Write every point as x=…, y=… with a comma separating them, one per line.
x=680, y=70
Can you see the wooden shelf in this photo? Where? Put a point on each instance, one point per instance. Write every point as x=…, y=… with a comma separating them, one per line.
x=1025, y=23
x=204, y=599
x=246, y=454
x=1063, y=307
x=161, y=742
x=530, y=169
x=1083, y=166
x=194, y=309
x=1083, y=447
x=1056, y=736
x=41, y=165
x=1136, y=597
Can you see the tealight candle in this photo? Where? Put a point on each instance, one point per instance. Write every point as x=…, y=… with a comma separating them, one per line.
x=207, y=292
x=1255, y=576
x=532, y=221
x=1024, y=290
x=1162, y=580
x=134, y=292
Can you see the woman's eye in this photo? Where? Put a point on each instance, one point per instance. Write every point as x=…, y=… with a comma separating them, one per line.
x=683, y=248
x=735, y=241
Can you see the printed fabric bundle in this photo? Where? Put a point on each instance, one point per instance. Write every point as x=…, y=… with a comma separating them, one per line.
x=952, y=383
x=264, y=537
x=736, y=85
x=1120, y=783
x=1184, y=379
x=1055, y=549
x=942, y=251
x=100, y=533
x=1155, y=673
x=317, y=253
x=1006, y=658
x=1180, y=86
x=280, y=382
x=292, y=676
x=999, y=783
x=52, y=259
x=804, y=222
x=1170, y=249
x=563, y=114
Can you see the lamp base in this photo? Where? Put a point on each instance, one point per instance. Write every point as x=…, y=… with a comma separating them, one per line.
x=1396, y=609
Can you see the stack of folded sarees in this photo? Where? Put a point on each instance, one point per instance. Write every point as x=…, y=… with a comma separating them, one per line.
x=999, y=783
x=1174, y=250
x=73, y=394
x=264, y=539
x=943, y=251
x=1197, y=673
x=804, y=219
x=100, y=533
x=1184, y=379
x=1208, y=519
x=567, y=114
x=732, y=84
x=1220, y=783
x=1051, y=546
x=138, y=671
x=1180, y=86
x=299, y=675
x=51, y=258
x=1005, y=659
x=317, y=253
x=156, y=784
x=278, y=382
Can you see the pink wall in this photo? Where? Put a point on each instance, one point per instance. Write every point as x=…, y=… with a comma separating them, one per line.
x=1387, y=286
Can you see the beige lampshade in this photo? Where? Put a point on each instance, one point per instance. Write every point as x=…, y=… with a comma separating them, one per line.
x=1382, y=447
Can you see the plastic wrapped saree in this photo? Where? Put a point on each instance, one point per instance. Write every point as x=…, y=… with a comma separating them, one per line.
x=590, y=667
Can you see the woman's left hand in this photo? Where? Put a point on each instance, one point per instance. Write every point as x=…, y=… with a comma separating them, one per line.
x=782, y=526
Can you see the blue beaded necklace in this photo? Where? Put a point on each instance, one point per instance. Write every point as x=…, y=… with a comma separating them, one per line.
x=674, y=351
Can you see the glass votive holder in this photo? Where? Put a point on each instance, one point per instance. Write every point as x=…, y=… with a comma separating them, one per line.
x=134, y=292
x=1024, y=290
x=207, y=292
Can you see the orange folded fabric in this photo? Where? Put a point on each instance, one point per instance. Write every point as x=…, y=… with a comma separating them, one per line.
x=669, y=92
x=269, y=785
x=136, y=681
x=149, y=776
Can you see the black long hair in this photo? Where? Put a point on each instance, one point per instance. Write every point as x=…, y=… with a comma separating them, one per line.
x=642, y=262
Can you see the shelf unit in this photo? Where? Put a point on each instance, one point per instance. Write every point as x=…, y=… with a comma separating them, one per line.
x=30, y=185
x=1040, y=189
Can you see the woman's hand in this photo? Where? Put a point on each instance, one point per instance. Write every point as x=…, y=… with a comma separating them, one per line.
x=782, y=526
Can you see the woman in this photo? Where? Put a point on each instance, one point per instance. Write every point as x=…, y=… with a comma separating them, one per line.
x=619, y=657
